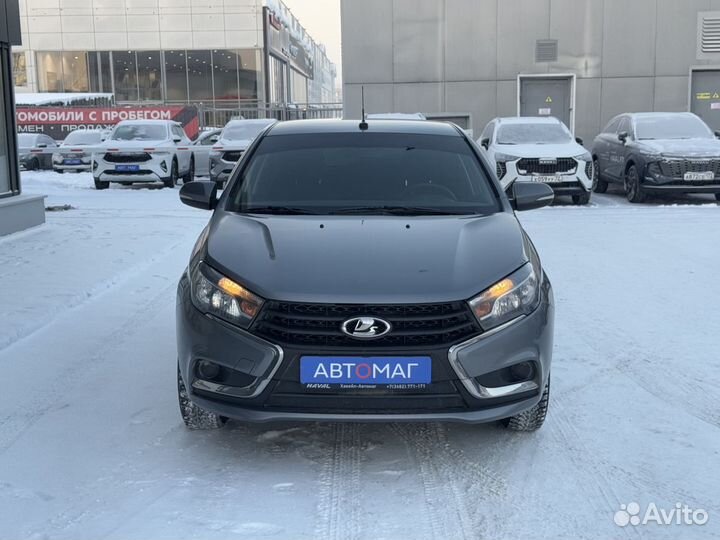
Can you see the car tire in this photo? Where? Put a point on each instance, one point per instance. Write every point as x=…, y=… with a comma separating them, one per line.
x=193, y=416
x=190, y=176
x=60, y=171
x=633, y=188
x=598, y=185
x=717, y=197
x=99, y=184
x=32, y=165
x=532, y=419
x=172, y=180
x=582, y=199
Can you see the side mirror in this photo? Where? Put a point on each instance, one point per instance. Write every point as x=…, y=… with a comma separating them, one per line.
x=622, y=136
x=717, y=133
x=485, y=143
x=214, y=139
x=199, y=194
x=579, y=141
x=177, y=139
x=530, y=195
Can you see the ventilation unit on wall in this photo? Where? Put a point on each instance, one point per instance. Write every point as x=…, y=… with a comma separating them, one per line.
x=708, y=35
x=546, y=50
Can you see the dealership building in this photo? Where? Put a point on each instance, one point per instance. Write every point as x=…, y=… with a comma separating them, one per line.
x=583, y=61
x=221, y=53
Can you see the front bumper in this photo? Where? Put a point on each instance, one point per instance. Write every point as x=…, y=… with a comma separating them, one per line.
x=221, y=169
x=273, y=392
x=577, y=182
x=668, y=184
x=155, y=169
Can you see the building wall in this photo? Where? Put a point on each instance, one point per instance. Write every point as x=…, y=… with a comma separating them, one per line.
x=464, y=56
x=158, y=27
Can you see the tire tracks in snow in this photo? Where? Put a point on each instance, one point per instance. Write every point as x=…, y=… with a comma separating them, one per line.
x=338, y=516
x=450, y=481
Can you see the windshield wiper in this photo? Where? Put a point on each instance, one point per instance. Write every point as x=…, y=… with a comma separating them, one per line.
x=397, y=211
x=277, y=210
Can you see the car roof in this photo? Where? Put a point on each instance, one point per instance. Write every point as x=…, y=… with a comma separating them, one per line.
x=659, y=114
x=296, y=127
x=527, y=120
x=149, y=122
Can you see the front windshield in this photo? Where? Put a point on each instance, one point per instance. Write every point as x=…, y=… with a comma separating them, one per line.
x=533, y=133
x=364, y=173
x=82, y=137
x=243, y=131
x=672, y=127
x=140, y=132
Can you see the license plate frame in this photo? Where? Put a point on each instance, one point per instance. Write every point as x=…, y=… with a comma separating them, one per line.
x=127, y=168
x=72, y=161
x=375, y=371
x=547, y=179
x=692, y=176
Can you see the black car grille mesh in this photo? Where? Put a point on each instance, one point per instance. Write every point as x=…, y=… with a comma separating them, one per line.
x=589, y=169
x=501, y=169
x=127, y=158
x=427, y=325
x=534, y=166
x=676, y=168
x=232, y=156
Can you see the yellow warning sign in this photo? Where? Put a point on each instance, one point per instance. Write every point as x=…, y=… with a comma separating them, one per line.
x=716, y=96
x=548, y=99
x=702, y=95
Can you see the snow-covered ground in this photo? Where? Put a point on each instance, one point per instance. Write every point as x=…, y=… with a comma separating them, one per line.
x=92, y=445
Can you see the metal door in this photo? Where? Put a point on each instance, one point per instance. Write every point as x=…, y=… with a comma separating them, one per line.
x=546, y=97
x=705, y=96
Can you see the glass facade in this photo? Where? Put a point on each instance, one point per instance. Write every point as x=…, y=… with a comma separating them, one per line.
x=173, y=75
x=298, y=87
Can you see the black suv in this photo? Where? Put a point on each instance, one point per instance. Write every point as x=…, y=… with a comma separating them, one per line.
x=364, y=272
x=657, y=153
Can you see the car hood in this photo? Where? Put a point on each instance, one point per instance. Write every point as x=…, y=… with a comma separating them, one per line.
x=569, y=149
x=378, y=259
x=134, y=145
x=682, y=147
x=240, y=144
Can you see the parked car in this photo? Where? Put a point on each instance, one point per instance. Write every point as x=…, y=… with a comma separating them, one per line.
x=538, y=149
x=145, y=151
x=72, y=154
x=35, y=150
x=201, y=150
x=657, y=153
x=236, y=136
x=364, y=273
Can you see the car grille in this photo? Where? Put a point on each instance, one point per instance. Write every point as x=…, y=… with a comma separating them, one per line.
x=533, y=166
x=232, y=156
x=413, y=325
x=676, y=168
x=589, y=169
x=112, y=157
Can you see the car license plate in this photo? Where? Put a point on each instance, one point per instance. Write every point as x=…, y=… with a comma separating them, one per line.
x=709, y=175
x=547, y=179
x=369, y=370
x=72, y=161
x=127, y=168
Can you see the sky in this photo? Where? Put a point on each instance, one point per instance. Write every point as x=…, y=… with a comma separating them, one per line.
x=321, y=18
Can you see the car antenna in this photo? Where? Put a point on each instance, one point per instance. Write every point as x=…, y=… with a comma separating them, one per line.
x=363, y=124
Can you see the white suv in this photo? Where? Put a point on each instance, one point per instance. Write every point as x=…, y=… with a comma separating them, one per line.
x=538, y=149
x=144, y=151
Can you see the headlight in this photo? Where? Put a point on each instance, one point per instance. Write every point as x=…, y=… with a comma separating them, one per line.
x=516, y=295
x=504, y=158
x=213, y=293
x=215, y=154
x=584, y=157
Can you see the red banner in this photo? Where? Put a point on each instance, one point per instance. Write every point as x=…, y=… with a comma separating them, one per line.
x=57, y=122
